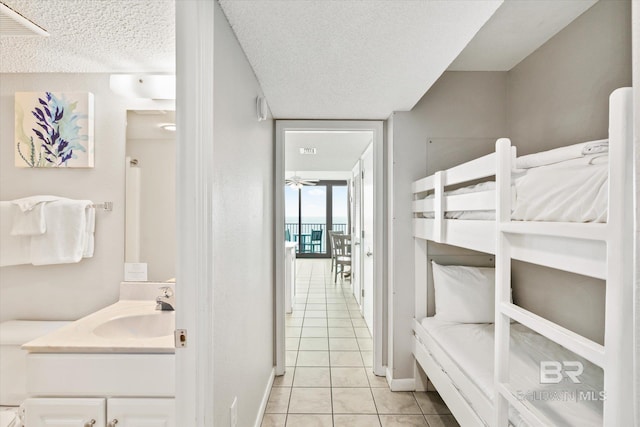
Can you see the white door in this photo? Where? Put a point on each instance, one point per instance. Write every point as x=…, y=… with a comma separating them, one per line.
x=65, y=412
x=143, y=412
x=356, y=232
x=367, y=240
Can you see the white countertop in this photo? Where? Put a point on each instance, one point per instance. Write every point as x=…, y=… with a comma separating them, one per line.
x=79, y=336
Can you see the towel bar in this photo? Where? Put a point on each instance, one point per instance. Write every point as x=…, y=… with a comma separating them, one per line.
x=106, y=206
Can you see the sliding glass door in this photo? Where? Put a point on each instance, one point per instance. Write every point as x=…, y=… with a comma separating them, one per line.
x=313, y=210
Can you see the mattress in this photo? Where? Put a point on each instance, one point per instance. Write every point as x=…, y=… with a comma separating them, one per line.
x=575, y=190
x=471, y=347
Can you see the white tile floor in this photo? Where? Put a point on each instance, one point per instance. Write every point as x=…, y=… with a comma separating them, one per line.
x=329, y=380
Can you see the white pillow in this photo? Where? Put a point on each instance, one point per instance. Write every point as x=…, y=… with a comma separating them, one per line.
x=464, y=294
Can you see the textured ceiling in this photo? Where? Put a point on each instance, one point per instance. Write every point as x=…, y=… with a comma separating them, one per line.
x=516, y=30
x=351, y=59
x=93, y=36
x=336, y=151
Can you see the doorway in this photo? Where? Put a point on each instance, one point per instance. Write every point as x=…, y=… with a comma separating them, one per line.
x=370, y=242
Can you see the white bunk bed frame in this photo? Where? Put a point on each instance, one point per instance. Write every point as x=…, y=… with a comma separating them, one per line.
x=600, y=250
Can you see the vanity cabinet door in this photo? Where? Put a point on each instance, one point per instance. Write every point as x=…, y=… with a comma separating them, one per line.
x=142, y=412
x=65, y=412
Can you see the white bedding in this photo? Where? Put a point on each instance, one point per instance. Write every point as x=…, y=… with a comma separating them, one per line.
x=571, y=191
x=470, y=346
x=488, y=186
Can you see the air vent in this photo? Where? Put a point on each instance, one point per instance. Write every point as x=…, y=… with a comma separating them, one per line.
x=13, y=24
x=308, y=150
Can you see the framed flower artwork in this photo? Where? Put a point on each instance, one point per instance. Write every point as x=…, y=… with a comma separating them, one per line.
x=54, y=129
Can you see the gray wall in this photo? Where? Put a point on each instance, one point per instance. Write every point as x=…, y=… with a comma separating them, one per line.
x=243, y=228
x=556, y=96
x=69, y=291
x=466, y=105
x=559, y=94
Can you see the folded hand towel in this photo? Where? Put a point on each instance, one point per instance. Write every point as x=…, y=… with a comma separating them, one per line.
x=28, y=218
x=28, y=203
x=596, y=147
x=14, y=250
x=28, y=223
x=556, y=155
x=65, y=239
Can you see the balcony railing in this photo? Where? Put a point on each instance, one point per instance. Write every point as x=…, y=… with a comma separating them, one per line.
x=303, y=237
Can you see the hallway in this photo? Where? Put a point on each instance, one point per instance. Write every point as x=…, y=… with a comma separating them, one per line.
x=329, y=379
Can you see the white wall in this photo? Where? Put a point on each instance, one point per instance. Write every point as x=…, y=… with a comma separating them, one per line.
x=69, y=291
x=459, y=104
x=243, y=263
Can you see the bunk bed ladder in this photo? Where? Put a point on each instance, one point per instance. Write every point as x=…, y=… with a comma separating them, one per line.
x=618, y=378
x=503, y=283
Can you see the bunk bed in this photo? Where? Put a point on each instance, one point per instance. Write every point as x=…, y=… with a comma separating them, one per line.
x=469, y=363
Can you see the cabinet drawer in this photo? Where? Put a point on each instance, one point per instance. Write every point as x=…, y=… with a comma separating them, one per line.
x=65, y=412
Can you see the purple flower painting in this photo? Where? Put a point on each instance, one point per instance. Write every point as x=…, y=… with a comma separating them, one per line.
x=54, y=130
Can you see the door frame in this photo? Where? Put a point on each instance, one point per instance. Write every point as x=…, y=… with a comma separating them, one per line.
x=356, y=196
x=194, y=270
x=376, y=127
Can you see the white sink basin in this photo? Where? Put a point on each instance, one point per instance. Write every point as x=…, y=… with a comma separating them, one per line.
x=152, y=325
x=128, y=326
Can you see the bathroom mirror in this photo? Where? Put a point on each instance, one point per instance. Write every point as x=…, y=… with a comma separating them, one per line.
x=150, y=203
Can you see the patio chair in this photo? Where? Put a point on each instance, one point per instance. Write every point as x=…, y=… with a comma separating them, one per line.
x=316, y=240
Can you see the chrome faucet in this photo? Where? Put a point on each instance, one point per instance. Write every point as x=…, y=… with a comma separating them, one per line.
x=166, y=300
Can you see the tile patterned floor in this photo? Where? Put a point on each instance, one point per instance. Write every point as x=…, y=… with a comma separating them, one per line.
x=329, y=380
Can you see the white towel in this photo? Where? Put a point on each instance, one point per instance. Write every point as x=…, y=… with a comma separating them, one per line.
x=65, y=239
x=28, y=203
x=596, y=147
x=28, y=223
x=561, y=154
x=14, y=250
x=89, y=242
x=28, y=217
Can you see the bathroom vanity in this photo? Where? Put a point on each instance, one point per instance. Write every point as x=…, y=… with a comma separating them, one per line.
x=112, y=368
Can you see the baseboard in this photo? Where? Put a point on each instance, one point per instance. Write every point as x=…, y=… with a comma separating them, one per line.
x=400, y=384
x=265, y=398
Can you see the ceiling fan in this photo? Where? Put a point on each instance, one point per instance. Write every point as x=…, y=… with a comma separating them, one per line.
x=297, y=182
